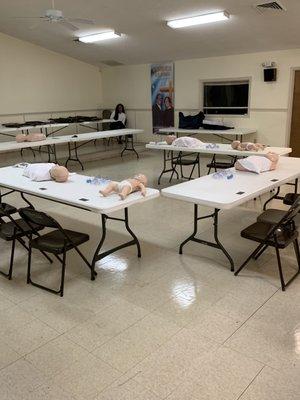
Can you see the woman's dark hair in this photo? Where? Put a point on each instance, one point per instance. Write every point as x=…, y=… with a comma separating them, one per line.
x=117, y=111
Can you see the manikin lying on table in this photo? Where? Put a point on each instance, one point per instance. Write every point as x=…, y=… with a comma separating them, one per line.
x=247, y=146
x=124, y=188
x=46, y=172
x=31, y=137
x=258, y=164
x=184, y=141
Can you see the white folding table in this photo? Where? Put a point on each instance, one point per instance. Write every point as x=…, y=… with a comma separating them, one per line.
x=55, y=127
x=72, y=142
x=219, y=193
x=76, y=192
x=169, y=159
x=227, y=134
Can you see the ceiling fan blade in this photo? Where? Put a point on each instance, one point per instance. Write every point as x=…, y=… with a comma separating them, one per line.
x=82, y=21
x=68, y=25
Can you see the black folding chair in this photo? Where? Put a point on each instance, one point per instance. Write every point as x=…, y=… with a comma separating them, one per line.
x=58, y=242
x=214, y=164
x=12, y=230
x=182, y=160
x=278, y=235
x=290, y=198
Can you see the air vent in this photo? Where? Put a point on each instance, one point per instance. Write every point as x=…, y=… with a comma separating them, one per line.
x=111, y=63
x=269, y=6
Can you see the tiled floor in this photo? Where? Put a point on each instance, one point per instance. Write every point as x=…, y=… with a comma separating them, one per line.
x=161, y=327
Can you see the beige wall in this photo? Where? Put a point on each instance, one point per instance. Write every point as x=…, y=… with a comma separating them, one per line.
x=269, y=102
x=33, y=79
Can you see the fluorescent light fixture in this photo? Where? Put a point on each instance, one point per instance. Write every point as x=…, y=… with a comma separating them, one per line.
x=198, y=20
x=97, y=37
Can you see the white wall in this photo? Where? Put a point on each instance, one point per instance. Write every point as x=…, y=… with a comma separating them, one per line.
x=33, y=79
x=269, y=102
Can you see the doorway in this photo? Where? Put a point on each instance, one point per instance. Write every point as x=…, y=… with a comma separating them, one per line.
x=295, y=122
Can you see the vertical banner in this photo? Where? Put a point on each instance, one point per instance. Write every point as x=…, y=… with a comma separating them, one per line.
x=162, y=95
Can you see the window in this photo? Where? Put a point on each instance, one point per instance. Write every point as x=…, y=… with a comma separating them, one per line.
x=227, y=97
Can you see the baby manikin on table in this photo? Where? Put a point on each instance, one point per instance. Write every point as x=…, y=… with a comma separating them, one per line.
x=127, y=186
x=258, y=164
x=45, y=172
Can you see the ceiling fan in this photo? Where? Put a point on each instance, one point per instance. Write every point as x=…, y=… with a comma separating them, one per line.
x=56, y=16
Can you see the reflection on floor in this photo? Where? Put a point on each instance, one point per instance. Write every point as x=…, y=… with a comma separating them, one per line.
x=161, y=327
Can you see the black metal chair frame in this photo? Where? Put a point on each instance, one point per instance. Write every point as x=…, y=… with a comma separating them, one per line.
x=18, y=235
x=174, y=161
x=67, y=241
x=286, y=222
x=97, y=255
x=220, y=165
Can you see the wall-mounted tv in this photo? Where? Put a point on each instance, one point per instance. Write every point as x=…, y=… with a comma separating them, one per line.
x=227, y=97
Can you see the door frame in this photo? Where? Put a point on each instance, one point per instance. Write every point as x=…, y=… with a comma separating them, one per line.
x=290, y=105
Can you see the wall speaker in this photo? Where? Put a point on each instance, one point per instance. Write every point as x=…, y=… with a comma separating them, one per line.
x=270, y=74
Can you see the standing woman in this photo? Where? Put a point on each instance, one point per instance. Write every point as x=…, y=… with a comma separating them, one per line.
x=119, y=118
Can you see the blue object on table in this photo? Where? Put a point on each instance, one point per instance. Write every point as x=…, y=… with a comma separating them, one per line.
x=97, y=180
x=212, y=146
x=226, y=173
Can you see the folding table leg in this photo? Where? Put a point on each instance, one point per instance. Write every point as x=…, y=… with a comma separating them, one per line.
x=129, y=140
x=275, y=196
x=217, y=244
x=134, y=242
x=166, y=159
x=73, y=157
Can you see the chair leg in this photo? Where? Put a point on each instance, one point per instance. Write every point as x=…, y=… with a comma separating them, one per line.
x=199, y=172
x=29, y=264
x=297, y=252
x=12, y=255
x=280, y=269
x=181, y=171
x=63, y=270
x=252, y=255
x=192, y=171
x=261, y=252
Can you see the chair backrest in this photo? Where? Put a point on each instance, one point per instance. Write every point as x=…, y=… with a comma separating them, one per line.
x=106, y=114
x=288, y=217
x=4, y=210
x=32, y=216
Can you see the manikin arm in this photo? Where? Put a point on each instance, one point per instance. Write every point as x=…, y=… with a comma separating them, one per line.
x=143, y=189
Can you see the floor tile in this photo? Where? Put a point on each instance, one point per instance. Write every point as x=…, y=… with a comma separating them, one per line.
x=106, y=324
x=56, y=356
x=8, y=355
x=271, y=384
x=86, y=378
x=162, y=370
x=127, y=390
x=223, y=374
x=137, y=342
x=30, y=336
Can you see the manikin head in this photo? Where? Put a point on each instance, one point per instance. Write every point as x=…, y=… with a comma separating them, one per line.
x=141, y=178
x=59, y=173
x=170, y=139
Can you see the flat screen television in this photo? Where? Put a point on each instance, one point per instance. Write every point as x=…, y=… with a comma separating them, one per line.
x=226, y=98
